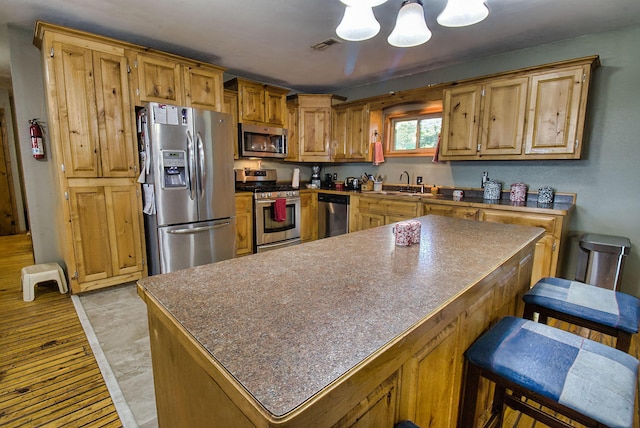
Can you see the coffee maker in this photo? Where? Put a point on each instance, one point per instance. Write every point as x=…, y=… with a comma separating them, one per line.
x=315, y=176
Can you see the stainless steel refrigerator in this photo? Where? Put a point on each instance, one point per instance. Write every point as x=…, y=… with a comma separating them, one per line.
x=189, y=186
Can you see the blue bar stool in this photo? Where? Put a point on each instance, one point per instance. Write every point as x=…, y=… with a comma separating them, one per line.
x=604, y=310
x=584, y=380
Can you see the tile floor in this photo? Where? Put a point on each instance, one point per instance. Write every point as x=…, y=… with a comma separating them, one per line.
x=118, y=318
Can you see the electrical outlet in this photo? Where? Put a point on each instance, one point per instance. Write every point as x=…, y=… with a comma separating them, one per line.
x=419, y=179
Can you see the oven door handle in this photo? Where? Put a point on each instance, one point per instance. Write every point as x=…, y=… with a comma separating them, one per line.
x=198, y=229
x=271, y=201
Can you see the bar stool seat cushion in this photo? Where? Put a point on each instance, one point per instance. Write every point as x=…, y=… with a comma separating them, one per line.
x=589, y=377
x=600, y=305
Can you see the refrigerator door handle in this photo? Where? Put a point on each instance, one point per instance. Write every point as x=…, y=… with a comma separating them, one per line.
x=201, y=166
x=192, y=166
x=198, y=229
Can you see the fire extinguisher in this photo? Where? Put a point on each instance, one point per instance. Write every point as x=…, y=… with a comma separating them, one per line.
x=37, y=142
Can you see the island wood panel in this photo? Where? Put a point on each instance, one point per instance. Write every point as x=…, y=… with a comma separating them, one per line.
x=192, y=388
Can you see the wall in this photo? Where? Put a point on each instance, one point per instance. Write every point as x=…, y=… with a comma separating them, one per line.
x=38, y=176
x=606, y=179
x=5, y=103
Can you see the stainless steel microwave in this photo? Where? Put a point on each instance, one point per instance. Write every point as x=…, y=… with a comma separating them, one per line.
x=262, y=141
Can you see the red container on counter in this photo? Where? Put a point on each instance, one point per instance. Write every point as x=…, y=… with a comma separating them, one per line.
x=518, y=192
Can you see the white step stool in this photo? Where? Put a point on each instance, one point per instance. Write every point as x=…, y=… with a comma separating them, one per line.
x=32, y=275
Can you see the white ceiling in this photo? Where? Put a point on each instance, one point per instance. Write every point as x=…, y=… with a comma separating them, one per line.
x=270, y=40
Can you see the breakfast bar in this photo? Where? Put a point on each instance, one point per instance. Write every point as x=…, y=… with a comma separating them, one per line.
x=345, y=331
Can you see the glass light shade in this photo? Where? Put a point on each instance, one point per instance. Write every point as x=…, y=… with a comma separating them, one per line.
x=358, y=24
x=460, y=13
x=366, y=3
x=411, y=28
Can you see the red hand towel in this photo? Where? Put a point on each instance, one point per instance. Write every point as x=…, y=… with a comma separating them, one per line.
x=378, y=154
x=280, y=210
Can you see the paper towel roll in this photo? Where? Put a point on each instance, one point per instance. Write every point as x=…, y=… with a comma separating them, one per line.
x=295, y=181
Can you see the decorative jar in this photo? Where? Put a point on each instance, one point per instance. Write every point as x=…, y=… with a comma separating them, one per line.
x=518, y=192
x=545, y=195
x=492, y=190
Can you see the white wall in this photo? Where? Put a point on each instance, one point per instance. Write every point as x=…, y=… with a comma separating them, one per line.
x=39, y=178
x=606, y=179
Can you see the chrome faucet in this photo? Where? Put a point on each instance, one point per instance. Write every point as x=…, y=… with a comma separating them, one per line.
x=408, y=185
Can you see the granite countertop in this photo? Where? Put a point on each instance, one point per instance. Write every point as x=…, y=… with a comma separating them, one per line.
x=287, y=323
x=562, y=204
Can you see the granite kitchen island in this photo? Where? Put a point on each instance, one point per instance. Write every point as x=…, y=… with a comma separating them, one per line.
x=345, y=331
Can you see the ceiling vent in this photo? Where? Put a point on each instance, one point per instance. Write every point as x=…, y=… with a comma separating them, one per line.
x=325, y=44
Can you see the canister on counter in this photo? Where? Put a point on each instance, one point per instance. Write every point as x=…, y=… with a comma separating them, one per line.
x=492, y=190
x=518, y=192
x=545, y=195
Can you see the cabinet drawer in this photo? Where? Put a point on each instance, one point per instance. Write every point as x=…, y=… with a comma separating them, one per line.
x=451, y=211
x=525, y=219
x=388, y=206
x=244, y=203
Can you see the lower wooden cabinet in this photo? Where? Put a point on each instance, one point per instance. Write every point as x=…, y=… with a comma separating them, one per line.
x=376, y=211
x=244, y=224
x=547, y=251
x=106, y=234
x=308, y=216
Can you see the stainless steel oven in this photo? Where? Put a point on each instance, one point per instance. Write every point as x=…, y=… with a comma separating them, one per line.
x=271, y=233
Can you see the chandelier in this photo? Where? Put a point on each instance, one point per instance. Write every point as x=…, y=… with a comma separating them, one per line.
x=359, y=22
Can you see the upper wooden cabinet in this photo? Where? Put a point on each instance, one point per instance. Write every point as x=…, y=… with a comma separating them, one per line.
x=535, y=113
x=230, y=105
x=171, y=80
x=557, y=105
x=203, y=87
x=260, y=103
x=158, y=79
x=350, y=132
x=311, y=136
x=89, y=101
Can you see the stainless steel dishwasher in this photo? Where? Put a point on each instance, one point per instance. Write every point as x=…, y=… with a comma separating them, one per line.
x=333, y=214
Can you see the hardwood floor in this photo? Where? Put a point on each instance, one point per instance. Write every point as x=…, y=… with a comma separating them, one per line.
x=48, y=374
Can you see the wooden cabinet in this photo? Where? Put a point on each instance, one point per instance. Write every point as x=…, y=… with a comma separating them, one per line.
x=350, y=133
x=487, y=119
x=292, y=137
x=230, y=105
x=460, y=119
x=556, y=110
x=107, y=232
x=172, y=80
x=312, y=115
x=203, y=87
x=535, y=113
x=91, y=96
x=547, y=250
x=260, y=103
x=91, y=128
x=308, y=216
x=377, y=211
x=158, y=79
x=451, y=211
x=244, y=224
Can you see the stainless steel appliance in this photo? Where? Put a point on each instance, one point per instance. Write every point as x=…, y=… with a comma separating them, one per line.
x=333, y=215
x=189, y=186
x=262, y=141
x=270, y=232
